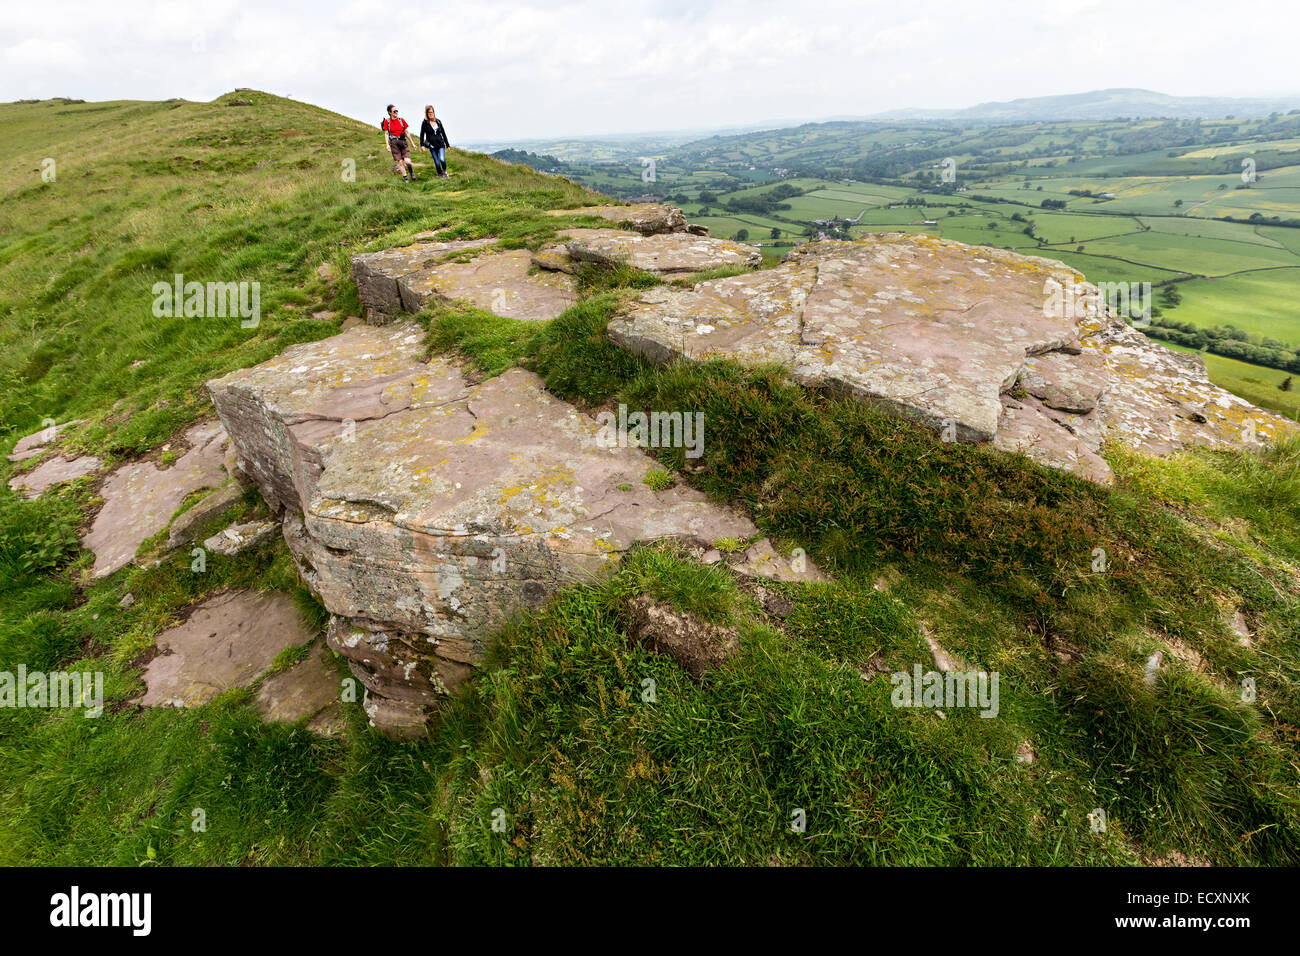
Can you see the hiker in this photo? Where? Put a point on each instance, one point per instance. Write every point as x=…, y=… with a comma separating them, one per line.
x=395, y=128
x=433, y=137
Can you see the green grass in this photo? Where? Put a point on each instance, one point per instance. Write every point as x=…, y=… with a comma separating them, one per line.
x=217, y=193
x=997, y=555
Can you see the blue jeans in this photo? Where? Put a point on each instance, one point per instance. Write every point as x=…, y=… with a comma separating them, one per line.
x=439, y=158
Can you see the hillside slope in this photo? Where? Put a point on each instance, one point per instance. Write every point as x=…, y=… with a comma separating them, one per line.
x=932, y=548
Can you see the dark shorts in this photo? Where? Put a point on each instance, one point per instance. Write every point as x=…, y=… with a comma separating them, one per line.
x=400, y=148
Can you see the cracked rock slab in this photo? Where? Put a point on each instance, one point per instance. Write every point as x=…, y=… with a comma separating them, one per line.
x=678, y=253
x=54, y=471
x=240, y=537
x=944, y=333
x=309, y=690
x=376, y=273
x=646, y=218
x=140, y=498
x=185, y=525
x=228, y=641
x=503, y=283
x=761, y=560
x=29, y=446
x=423, y=509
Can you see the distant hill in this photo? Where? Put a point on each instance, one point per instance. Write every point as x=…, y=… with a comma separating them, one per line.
x=1104, y=105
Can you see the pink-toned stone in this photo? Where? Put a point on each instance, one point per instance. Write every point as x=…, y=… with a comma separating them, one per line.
x=949, y=335
x=646, y=218
x=228, y=641
x=376, y=273
x=140, y=498
x=423, y=509
x=309, y=690
x=503, y=283
x=29, y=446
x=53, y=471
x=670, y=254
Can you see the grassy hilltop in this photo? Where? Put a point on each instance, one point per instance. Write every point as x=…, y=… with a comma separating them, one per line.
x=989, y=554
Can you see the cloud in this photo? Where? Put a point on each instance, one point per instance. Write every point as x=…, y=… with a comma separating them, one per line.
x=505, y=69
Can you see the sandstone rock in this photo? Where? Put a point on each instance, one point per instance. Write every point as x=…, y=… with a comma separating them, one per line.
x=140, y=498
x=646, y=218
x=240, y=537
x=32, y=445
x=376, y=273
x=761, y=560
x=228, y=641
x=502, y=283
x=399, y=667
x=670, y=254
x=396, y=718
x=943, y=659
x=554, y=256
x=185, y=525
x=1070, y=383
x=309, y=690
x=53, y=471
x=940, y=332
x=1028, y=426
x=423, y=510
x=234, y=469
x=697, y=645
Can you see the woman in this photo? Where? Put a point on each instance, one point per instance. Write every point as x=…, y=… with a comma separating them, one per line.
x=433, y=137
x=394, y=128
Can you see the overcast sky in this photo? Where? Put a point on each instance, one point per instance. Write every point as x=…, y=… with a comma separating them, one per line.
x=502, y=70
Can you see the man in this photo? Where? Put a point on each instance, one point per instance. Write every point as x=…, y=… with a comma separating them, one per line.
x=394, y=128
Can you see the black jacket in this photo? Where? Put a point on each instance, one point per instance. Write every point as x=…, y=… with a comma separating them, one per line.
x=433, y=135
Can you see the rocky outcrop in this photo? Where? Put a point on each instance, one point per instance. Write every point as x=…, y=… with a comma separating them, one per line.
x=309, y=690
x=503, y=283
x=674, y=254
x=376, y=273
x=238, y=538
x=423, y=510
x=697, y=645
x=519, y=284
x=649, y=219
x=29, y=446
x=962, y=338
x=185, y=526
